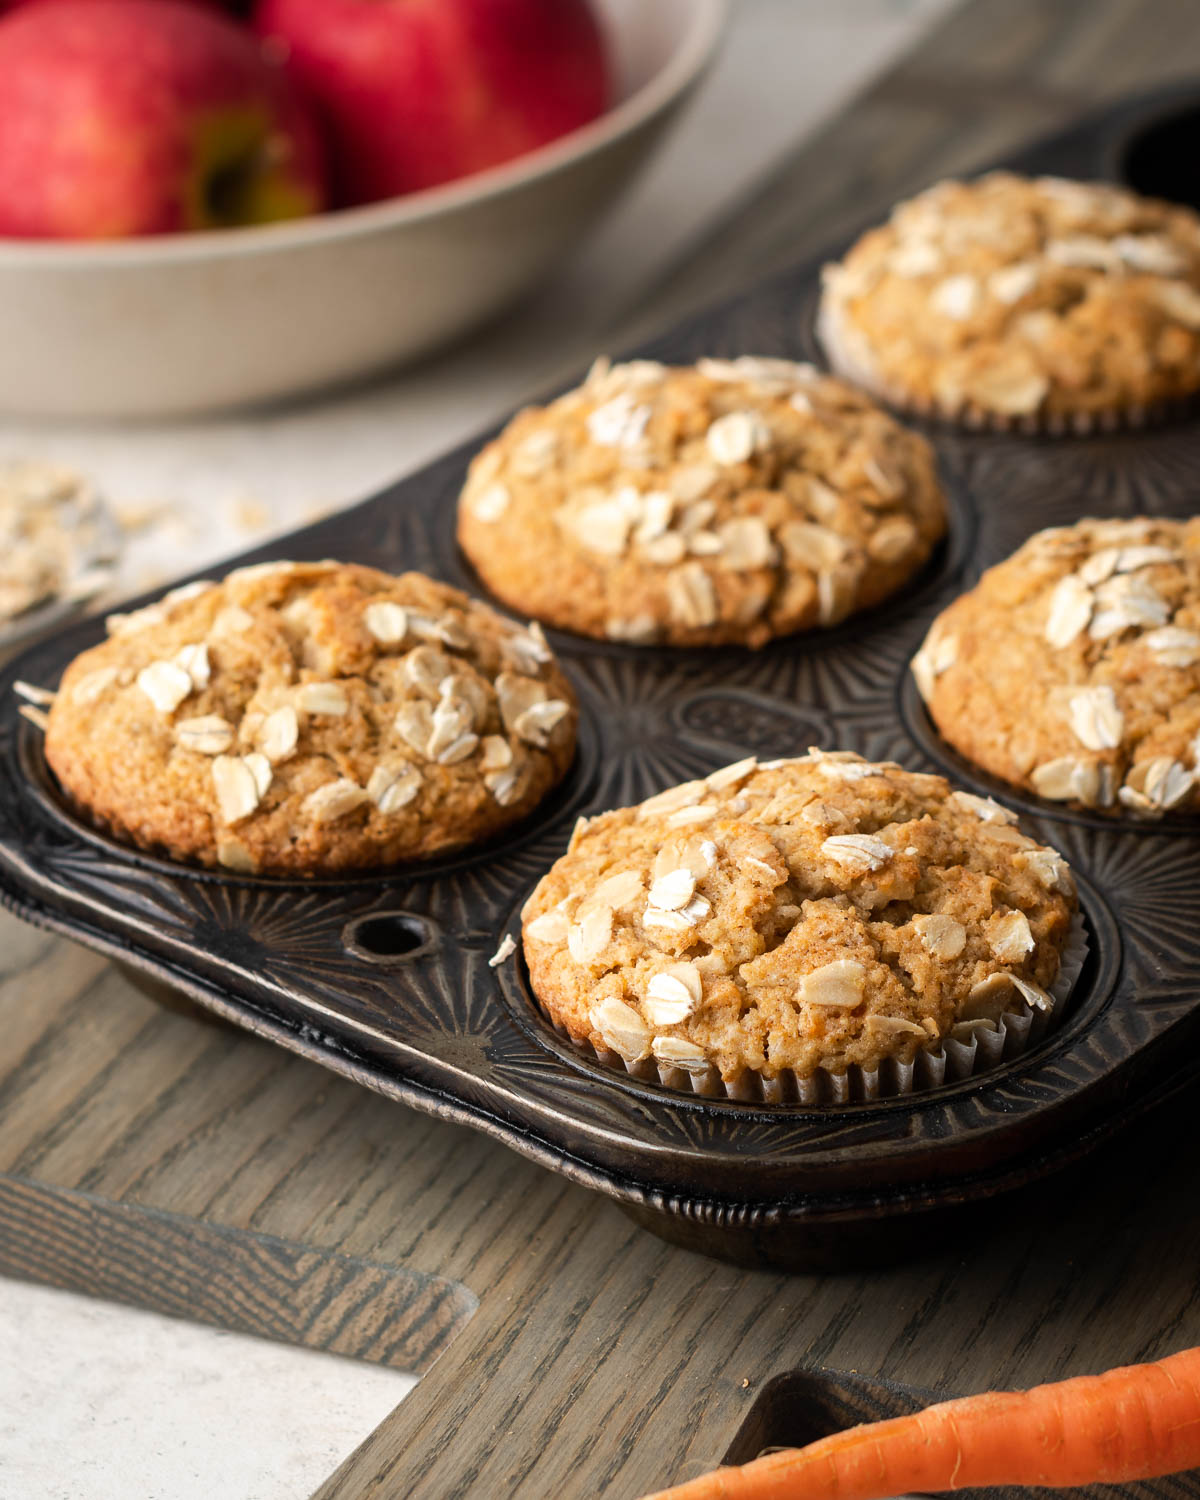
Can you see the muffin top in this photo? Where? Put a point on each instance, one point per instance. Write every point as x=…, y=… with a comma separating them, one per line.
x=1009, y=299
x=1073, y=667
x=302, y=718
x=810, y=913
x=731, y=501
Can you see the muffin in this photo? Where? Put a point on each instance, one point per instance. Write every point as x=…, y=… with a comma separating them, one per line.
x=307, y=718
x=1010, y=301
x=778, y=928
x=731, y=501
x=1072, y=669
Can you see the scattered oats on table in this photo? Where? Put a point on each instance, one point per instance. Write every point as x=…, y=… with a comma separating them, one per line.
x=51, y=543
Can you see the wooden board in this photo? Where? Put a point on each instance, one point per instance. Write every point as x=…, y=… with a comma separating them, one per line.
x=569, y=1353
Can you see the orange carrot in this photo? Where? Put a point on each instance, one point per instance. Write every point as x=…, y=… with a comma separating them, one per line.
x=1133, y=1423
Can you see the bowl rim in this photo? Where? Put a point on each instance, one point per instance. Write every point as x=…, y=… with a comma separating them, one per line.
x=693, y=54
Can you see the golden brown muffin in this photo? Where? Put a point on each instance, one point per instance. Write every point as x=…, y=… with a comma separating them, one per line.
x=304, y=718
x=1007, y=300
x=811, y=914
x=1072, y=669
x=729, y=502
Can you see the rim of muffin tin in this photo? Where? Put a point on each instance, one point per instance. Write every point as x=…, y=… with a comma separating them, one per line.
x=1087, y=1001
x=848, y=1197
x=918, y=724
x=559, y=807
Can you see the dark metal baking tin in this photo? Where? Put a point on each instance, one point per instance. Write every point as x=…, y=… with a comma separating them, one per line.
x=385, y=978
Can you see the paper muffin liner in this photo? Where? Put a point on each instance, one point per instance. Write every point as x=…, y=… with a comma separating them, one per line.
x=970, y=1049
x=850, y=357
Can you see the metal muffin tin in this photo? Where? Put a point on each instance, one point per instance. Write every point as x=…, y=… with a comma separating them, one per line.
x=385, y=978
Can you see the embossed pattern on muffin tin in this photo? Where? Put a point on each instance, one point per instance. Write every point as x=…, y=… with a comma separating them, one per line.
x=385, y=978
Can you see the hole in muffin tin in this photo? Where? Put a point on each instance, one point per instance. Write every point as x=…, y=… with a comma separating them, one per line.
x=1083, y=1006
x=389, y=939
x=917, y=721
x=1159, y=157
x=560, y=805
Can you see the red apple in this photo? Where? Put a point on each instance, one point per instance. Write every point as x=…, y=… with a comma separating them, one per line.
x=234, y=5
x=417, y=92
x=127, y=117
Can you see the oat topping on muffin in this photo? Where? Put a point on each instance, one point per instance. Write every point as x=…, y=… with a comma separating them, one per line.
x=1010, y=299
x=1073, y=668
x=731, y=501
x=803, y=915
x=302, y=718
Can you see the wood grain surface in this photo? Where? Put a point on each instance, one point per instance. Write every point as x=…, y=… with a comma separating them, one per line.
x=139, y=1147
x=257, y=1284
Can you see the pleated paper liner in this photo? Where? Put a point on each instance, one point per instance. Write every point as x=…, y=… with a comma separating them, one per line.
x=971, y=1049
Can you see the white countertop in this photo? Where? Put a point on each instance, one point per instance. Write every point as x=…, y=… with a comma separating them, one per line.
x=226, y=1415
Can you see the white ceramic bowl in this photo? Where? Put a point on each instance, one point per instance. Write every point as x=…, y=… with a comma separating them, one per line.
x=192, y=323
